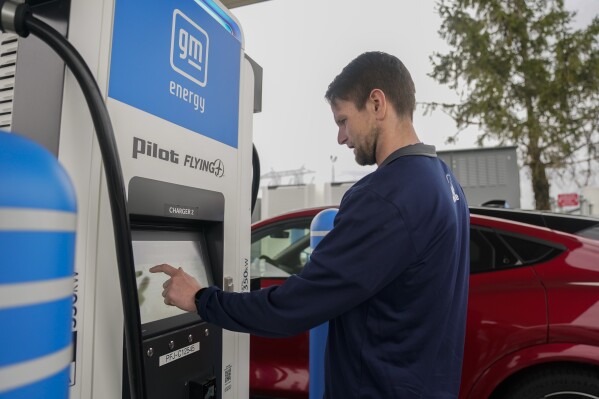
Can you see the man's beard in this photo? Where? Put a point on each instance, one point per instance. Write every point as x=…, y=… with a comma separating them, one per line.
x=365, y=152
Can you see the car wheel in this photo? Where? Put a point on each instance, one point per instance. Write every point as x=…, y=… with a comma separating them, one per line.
x=567, y=382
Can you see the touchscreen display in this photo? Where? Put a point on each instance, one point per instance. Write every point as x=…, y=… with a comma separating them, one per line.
x=190, y=255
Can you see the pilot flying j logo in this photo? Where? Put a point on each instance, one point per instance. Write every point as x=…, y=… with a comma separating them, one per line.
x=154, y=150
x=189, y=49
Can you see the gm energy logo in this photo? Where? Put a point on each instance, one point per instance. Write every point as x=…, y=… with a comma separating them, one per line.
x=189, y=49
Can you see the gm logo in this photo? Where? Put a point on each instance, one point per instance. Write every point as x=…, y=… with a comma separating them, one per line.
x=189, y=49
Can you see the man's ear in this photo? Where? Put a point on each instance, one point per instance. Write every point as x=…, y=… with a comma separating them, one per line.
x=379, y=102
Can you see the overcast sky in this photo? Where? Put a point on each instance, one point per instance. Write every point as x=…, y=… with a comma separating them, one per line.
x=303, y=44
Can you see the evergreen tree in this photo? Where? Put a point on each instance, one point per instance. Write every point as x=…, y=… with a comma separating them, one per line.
x=525, y=77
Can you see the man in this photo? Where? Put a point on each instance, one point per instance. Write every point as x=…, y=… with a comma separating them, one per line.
x=392, y=275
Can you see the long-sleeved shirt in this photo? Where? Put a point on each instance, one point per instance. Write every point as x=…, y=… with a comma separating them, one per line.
x=391, y=278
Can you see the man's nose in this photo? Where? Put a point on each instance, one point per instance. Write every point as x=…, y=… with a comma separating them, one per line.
x=341, y=136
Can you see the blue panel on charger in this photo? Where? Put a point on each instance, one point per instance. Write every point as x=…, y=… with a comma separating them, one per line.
x=179, y=61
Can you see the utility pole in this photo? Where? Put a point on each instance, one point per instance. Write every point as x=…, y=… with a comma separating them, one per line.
x=333, y=159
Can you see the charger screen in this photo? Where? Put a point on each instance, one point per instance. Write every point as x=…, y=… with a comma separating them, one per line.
x=189, y=254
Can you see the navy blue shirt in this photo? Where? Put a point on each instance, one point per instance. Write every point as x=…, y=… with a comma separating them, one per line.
x=391, y=278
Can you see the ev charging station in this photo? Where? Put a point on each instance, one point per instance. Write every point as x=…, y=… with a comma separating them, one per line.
x=180, y=93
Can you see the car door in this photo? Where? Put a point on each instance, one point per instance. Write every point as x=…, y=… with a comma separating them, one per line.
x=507, y=307
x=279, y=366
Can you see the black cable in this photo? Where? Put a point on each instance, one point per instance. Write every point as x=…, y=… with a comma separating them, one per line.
x=116, y=192
x=256, y=176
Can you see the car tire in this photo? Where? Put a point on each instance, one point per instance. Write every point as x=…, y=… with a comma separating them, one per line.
x=563, y=382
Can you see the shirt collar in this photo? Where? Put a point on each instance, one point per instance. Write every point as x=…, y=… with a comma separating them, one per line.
x=412, y=149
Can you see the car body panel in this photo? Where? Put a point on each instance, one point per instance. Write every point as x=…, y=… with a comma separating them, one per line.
x=507, y=311
x=282, y=369
x=518, y=361
x=577, y=276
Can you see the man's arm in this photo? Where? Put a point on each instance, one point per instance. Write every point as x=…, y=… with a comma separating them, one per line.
x=368, y=247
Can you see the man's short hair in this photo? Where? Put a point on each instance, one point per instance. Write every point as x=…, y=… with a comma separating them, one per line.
x=375, y=70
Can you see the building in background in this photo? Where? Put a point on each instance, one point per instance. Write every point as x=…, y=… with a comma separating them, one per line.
x=281, y=199
x=486, y=174
x=589, y=204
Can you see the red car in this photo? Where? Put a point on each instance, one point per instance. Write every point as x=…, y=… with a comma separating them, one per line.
x=533, y=313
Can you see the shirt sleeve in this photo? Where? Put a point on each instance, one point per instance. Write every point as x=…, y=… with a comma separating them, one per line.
x=368, y=247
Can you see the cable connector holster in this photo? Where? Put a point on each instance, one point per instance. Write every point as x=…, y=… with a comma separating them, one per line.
x=12, y=16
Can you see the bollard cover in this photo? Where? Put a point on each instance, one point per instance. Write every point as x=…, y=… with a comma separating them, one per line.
x=32, y=177
x=321, y=224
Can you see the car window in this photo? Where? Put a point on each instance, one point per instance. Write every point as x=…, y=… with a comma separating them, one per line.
x=489, y=252
x=283, y=249
x=481, y=252
x=497, y=250
x=528, y=250
x=504, y=256
x=280, y=250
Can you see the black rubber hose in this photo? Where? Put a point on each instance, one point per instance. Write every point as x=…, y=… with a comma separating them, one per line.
x=116, y=192
x=255, y=176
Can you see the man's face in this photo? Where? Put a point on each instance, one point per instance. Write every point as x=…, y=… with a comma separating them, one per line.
x=357, y=130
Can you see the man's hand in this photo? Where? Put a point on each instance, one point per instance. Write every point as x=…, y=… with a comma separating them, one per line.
x=179, y=289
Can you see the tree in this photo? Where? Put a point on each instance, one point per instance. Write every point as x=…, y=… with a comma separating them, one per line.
x=525, y=77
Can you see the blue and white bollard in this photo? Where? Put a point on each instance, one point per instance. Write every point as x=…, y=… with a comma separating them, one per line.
x=320, y=226
x=37, y=247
